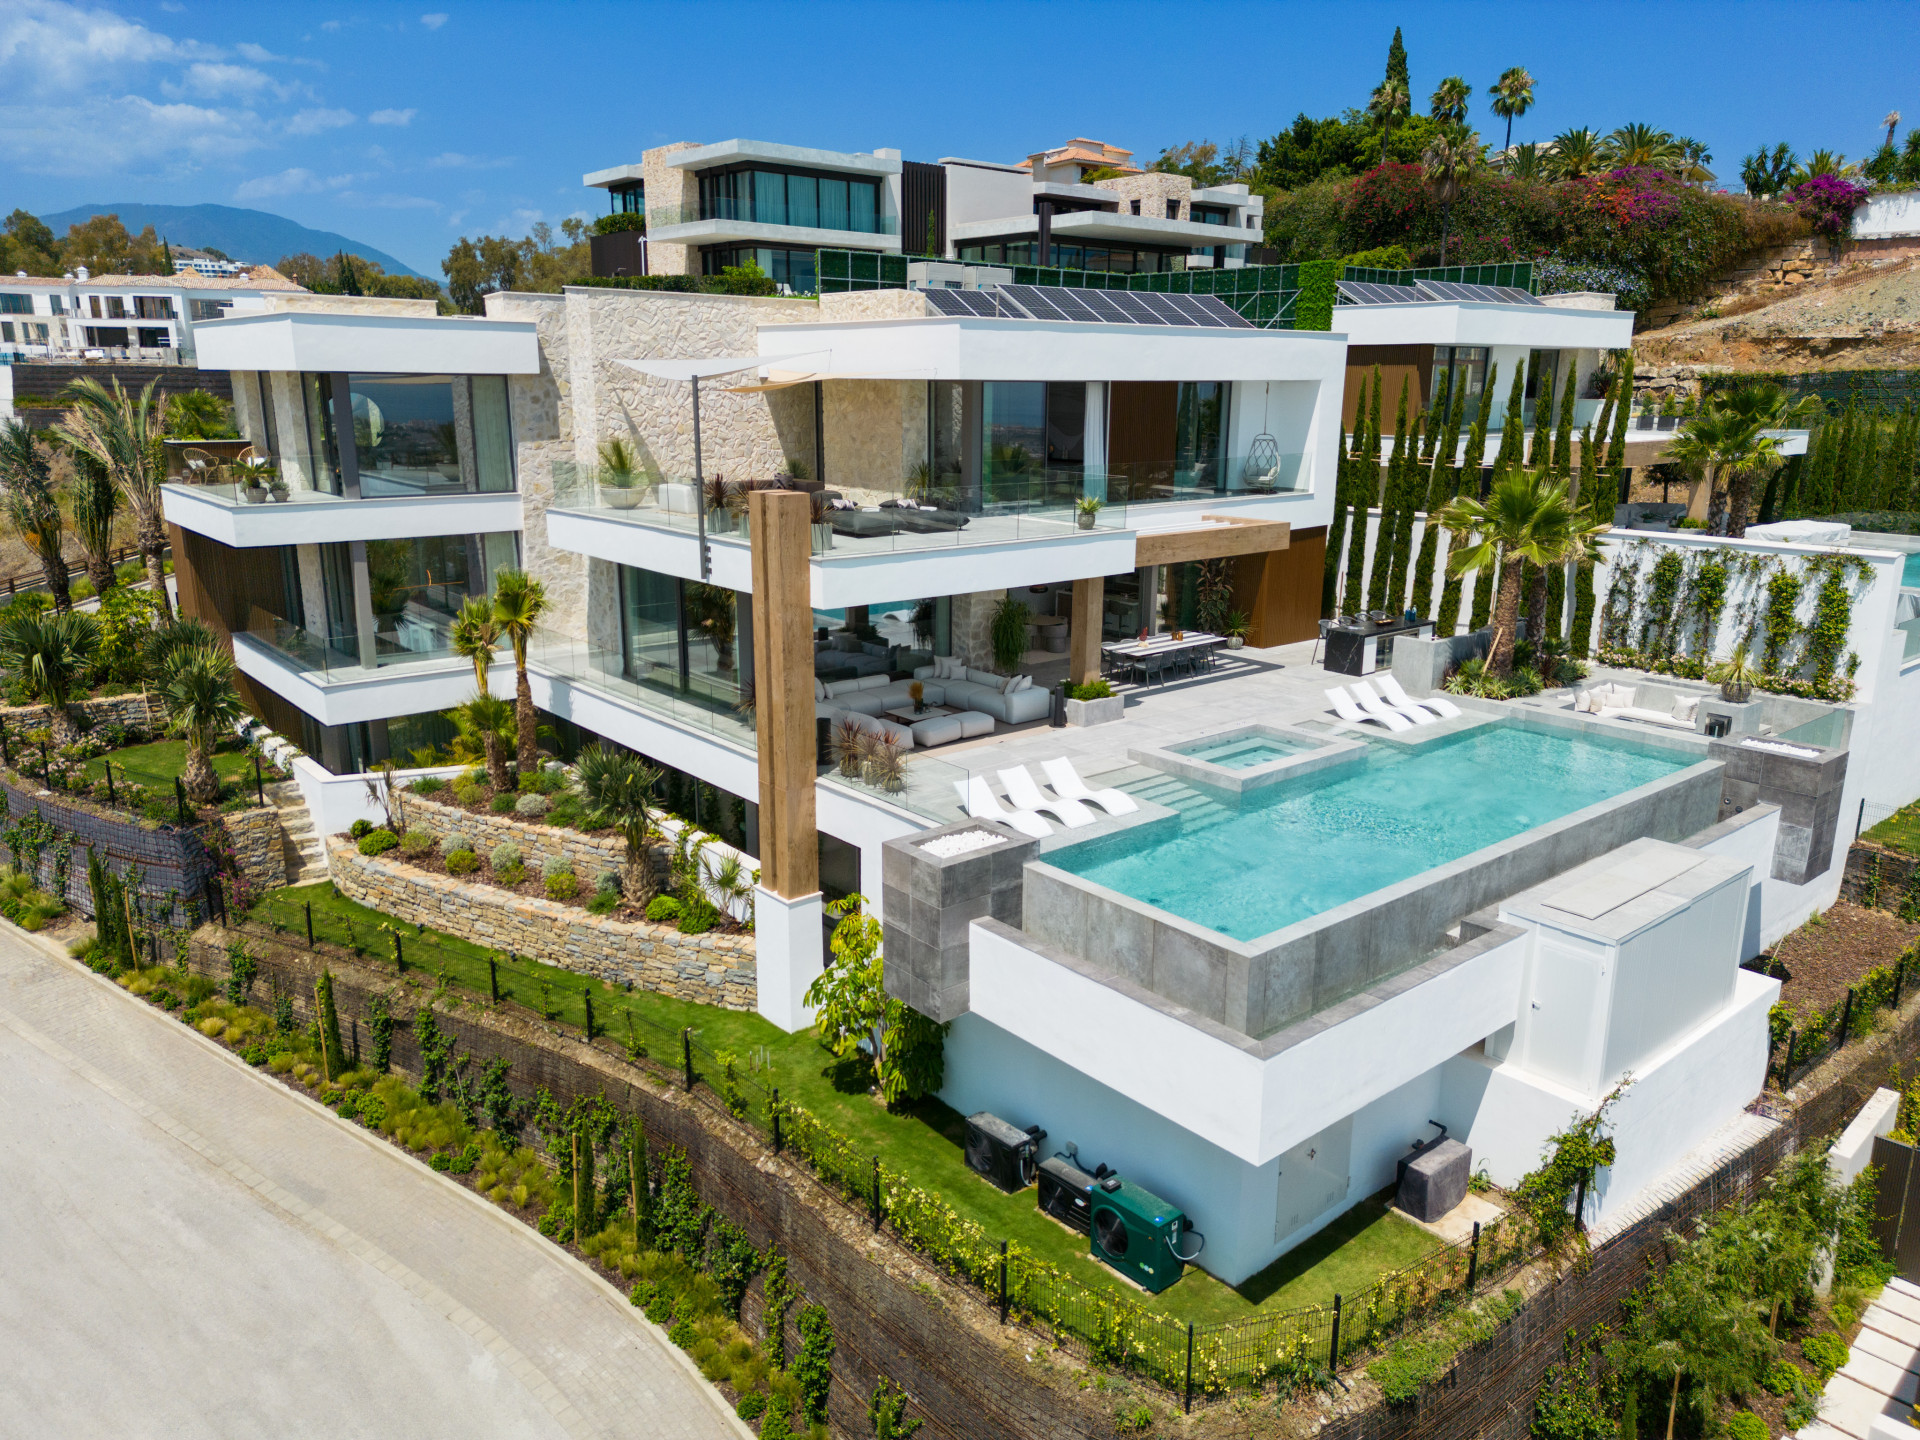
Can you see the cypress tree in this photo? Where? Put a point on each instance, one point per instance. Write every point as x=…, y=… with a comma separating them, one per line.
x=1447, y=619
x=1397, y=64
x=1511, y=438
x=1622, y=404
x=1373, y=421
x=333, y=1055
x=1358, y=491
x=1563, y=436
x=1589, y=493
x=1380, y=577
x=1336, y=531
x=1542, y=452
x=1442, y=483
x=1412, y=496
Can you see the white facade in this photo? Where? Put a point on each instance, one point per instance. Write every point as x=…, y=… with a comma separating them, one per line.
x=153, y=317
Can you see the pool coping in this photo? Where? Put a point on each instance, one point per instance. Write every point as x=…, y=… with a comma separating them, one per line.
x=1260, y=986
x=1324, y=751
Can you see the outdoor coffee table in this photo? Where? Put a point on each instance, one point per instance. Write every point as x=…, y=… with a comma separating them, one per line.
x=907, y=715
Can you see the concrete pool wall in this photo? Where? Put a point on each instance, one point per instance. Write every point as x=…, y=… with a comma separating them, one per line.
x=1257, y=986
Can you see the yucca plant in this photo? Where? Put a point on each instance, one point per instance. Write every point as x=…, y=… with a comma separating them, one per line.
x=618, y=787
x=201, y=702
x=849, y=745
x=51, y=654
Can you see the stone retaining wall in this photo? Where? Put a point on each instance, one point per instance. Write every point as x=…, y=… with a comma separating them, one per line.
x=259, y=846
x=713, y=969
x=136, y=711
x=1878, y=877
x=588, y=854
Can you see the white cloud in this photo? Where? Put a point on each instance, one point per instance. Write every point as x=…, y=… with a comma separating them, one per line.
x=105, y=135
x=317, y=122
x=387, y=201
x=454, y=160
x=392, y=117
x=295, y=181
x=435, y=20
x=329, y=24
x=51, y=48
x=213, y=81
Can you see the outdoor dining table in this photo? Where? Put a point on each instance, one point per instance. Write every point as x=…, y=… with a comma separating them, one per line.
x=1130, y=653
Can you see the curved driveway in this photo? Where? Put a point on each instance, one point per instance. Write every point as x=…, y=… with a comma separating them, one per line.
x=189, y=1249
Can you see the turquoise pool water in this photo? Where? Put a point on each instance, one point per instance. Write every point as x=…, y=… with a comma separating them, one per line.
x=1248, y=867
x=1910, y=572
x=1243, y=752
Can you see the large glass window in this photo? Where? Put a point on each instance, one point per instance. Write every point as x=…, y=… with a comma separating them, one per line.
x=336, y=584
x=323, y=456
x=1113, y=259
x=792, y=268
x=1201, y=427
x=1015, y=416
x=415, y=434
x=769, y=196
x=650, y=625
x=418, y=586
x=1467, y=366
x=681, y=635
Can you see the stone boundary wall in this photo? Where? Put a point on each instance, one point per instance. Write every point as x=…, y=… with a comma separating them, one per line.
x=137, y=711
x=1896, y=876
x=893, y=1313
x=713, y=969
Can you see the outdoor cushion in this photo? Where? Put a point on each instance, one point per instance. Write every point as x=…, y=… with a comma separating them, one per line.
x=940, y=730
x=819, y=689
x=973, y=723
x=1685, y=707
x=984, y=677
x=1583, y=703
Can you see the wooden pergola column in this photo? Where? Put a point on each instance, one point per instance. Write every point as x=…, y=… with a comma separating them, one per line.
x=783, y=692
x=1089, y=604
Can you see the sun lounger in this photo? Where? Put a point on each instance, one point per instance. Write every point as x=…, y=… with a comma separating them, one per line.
x=1067, y=783
x=1344, y=707
x=1438, y=704
x=981, y=805
x=1026, y=795
x=1363, y=693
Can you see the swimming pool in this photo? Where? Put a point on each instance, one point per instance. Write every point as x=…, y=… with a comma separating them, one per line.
x=1243, y=752
x=1249, y=866
x=1910, y=572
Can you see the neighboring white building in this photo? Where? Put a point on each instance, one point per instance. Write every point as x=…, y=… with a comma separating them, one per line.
x=711, y=206
x=135, y=317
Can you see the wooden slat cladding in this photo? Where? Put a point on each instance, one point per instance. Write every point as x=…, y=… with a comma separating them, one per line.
x=1210, y=542
x=1141, y=422
x=923, y=192
x=1398, y=364
x=1280, y=591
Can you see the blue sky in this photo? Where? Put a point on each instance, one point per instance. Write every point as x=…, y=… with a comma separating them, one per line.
x=408, y=126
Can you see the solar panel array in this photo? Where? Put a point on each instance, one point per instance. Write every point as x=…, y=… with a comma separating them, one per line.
x=1100, y=307
x=1365, y=292
x=1495, y=294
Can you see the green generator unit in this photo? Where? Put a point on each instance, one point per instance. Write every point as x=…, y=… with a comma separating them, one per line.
x=1142, y=1236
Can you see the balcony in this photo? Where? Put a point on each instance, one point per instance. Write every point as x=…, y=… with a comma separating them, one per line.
x=235, y=516
x=724, y=221
x=329, y=683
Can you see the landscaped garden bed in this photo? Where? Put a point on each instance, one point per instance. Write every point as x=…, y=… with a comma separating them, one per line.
x=1818, y=963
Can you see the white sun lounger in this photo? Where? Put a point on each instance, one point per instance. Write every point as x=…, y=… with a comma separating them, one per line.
x=1371, y=703
x=1024, y=793
x=1344, y=707
x=1438, y=704
x=978, y=798
x=1067, y=783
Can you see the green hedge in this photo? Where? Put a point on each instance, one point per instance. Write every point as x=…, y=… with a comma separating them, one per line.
x=1319, y=290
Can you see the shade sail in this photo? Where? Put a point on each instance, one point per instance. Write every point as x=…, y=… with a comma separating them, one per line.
x=700, y=367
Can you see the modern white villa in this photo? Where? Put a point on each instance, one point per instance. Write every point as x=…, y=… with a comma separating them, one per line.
x=1275, y=943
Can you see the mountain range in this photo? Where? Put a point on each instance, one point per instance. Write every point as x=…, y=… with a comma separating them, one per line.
x=254, y=237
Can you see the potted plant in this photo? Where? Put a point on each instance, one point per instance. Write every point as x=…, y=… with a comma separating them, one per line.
x=719, y=511
x=1735, y=676
x=817, y=517
x=1235, y=629
x=619, y=475
x=1669, y=410
x=253, y=489
x=1088, y=507
x=918, y=694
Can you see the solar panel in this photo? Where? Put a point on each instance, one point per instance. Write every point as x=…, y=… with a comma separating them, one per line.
x=961, y=302
x=1105, y=305
x=1071, y=305
x=1494, y=294
x=1162, y=309
x=1110, y=307
x=1037, y=304
x=1365, y=292
x=1213, y=311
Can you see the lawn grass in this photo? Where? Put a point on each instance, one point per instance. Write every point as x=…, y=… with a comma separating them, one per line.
x=1899, y=831
x=924, y=1143
x=158, y=764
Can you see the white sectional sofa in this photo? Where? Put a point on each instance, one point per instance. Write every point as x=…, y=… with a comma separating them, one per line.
x=1676, y=709
x=986, y=692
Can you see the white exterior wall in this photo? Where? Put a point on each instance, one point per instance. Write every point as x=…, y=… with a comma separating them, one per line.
x=1885, y=216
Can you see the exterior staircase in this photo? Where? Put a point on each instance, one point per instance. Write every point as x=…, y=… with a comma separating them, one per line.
x=306, y=858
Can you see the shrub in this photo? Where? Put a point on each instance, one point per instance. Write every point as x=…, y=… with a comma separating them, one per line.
x=416, y=842
x=468, y=793
x=607, y=882
x=462, y=862
x=1748, y=1426
x=604, y=902
x=529, y=807
x=1826, y=1353
x=428, y=785
x=663, y=907
x=359, y=828
x=543, y=782
x=567, y=811
x=555, y=865
x=563, y=886
x=378, y=843
x=751, y=1406
x=503, y=804
x=697, y=919
x=505, y=856
x=456, y=840
x=1093, y=690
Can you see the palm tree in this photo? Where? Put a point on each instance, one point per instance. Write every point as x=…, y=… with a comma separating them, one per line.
x=1448, y=104
x=1449, y=158
x=1389, y=99
x=1527, y=161
x=1576, y=152
x=198, y=415
x=1693, y=160
x=1821, y=162
x=618, y=787
x=1892, y=122
x=201, y=702
x=486, y=726
x=475, y=632
x=1716, y=442
x=519, y=601
x=1643, y=146
x=28, y=501
x=94, y=502
x=118, y=430
x=1526, y=520
x=50, y=654
x=1512, y=97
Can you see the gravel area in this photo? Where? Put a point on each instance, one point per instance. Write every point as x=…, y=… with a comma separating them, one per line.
x=1824, y=957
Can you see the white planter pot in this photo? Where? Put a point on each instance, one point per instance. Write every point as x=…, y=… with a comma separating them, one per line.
x=252, y=497
x=615, y=497
x=1234, y=642
x=1096, y=712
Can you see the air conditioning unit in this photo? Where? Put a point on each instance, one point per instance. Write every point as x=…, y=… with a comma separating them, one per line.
x=1000, y=1152
x=1140, y=1235
x=1066, y=1192
x=947, y=275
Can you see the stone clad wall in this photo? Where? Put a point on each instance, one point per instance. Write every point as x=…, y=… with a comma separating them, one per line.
x=134, y=710
x=713, y=969
x=588, y=854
